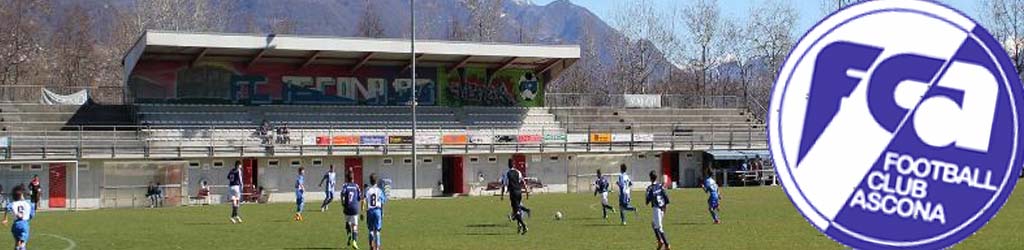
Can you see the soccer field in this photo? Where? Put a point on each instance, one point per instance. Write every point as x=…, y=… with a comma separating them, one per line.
x=760, y=217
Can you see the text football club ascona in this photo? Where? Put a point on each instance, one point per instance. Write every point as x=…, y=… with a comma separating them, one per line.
x=896, y=124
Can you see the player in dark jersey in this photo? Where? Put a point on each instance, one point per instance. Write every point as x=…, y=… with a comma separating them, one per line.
x=602, y=187
x=235, y=191
x=514, y=182
x=350, y=196
x=658, y=199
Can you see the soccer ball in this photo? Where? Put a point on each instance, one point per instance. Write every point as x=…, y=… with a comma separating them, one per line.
x=558, y=215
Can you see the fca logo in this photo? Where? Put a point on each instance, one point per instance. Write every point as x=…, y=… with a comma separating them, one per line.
x=952, y=101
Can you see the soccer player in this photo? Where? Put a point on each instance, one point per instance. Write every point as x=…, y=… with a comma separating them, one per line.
x=350, y=196
x=375, y=200
x=331, y=180
x=624, y=184
x=711, y=188
x=300, y=190
x=513, y=180
x=23, y=212
x=602, y=188
x=658, y=200
x=504, y=182
x=235, y=191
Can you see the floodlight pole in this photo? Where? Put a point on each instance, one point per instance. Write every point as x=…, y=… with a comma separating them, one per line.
x=412, y=55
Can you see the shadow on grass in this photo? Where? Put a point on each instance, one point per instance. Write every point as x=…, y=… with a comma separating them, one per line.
x=602, y=225
x=486, y=234
x=691, y=224
x=312, y=248
x=206, y=223
x=486, y=225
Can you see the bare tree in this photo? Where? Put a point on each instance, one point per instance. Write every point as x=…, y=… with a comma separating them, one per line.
x=770, y=31
x=1006, y=22
x=587, y=75
x=72, y=54
x=371, y=25
x=22, y=36
x=486, y=19
x=702, y=18
x=635, y=54
x=829, y=6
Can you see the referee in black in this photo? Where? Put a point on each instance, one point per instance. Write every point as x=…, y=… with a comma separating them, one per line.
x=513, y=180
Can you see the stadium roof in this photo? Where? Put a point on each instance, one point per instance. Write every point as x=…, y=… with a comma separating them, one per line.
x=349, y=52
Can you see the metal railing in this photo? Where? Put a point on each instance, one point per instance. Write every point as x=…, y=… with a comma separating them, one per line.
x=144, y=142
x=32, y=93
x=619, y=100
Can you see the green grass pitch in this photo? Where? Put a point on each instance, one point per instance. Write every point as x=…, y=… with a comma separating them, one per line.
x=754, y=218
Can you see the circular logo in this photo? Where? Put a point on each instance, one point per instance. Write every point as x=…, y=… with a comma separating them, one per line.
x=896, y=124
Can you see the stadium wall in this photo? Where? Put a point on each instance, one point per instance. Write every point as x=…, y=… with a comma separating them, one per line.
x=558, y=172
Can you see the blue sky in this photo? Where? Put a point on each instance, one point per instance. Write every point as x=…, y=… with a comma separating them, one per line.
x=809, y=10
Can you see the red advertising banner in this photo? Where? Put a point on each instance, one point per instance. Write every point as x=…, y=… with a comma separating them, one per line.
x=454, y=139
x=530, y=139
x=345, y=140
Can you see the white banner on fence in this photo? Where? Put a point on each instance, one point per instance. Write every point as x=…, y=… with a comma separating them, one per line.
x=50, y=98
x=576, y=138
x=5, y=142
x=481, y=139
x=428, y=139
x=643, y=137
x=622, y=137
x=642, y=101
x=309, y=140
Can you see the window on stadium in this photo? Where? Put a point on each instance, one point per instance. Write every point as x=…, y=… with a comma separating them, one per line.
x=318, y=162
x=83, y=166
x=296, y=163
x=474, y=159
x=492, y=159
x=407, y=161
x=553, y=158
x=193, y=164
x=218, y=164
x=36, y=167
x=388, y=161
x=273, y=163
x=428, y=159
x=16, y=167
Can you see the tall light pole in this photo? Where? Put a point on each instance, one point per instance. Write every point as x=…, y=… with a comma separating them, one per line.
x=412, y=55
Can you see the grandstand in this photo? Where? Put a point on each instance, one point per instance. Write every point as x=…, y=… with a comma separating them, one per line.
x=207, y=100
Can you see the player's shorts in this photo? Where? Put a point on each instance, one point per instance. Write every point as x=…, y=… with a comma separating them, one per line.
x=515, y=200
x=352, y=219
x=235, y=192
x=712, y=202
x=374, y=219
x=20, y=231
x=656, y=218
x=604, y=198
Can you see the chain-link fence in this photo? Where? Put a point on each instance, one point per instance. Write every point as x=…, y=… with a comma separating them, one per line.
x=618, y=100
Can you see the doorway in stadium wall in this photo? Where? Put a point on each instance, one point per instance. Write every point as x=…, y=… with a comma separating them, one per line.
x=670, y=167
x=355, y=165
x=250, y=178
x=452, y=175
x=519, y=162
x=58, y=185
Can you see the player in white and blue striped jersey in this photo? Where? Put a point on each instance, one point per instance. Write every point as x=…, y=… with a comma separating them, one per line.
x=330, y=178
x=300, y=192
x=375, y=200
x=658, y=199
x=23, y=212
x=624, y=184
x=711, y=187
x=351, y=198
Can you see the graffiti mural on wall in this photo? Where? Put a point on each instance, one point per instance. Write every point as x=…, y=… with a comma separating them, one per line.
x=162, y=81
x=473, y=86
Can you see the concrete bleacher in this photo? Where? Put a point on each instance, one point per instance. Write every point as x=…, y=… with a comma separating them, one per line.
x=344, y=116
x=697, y=124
